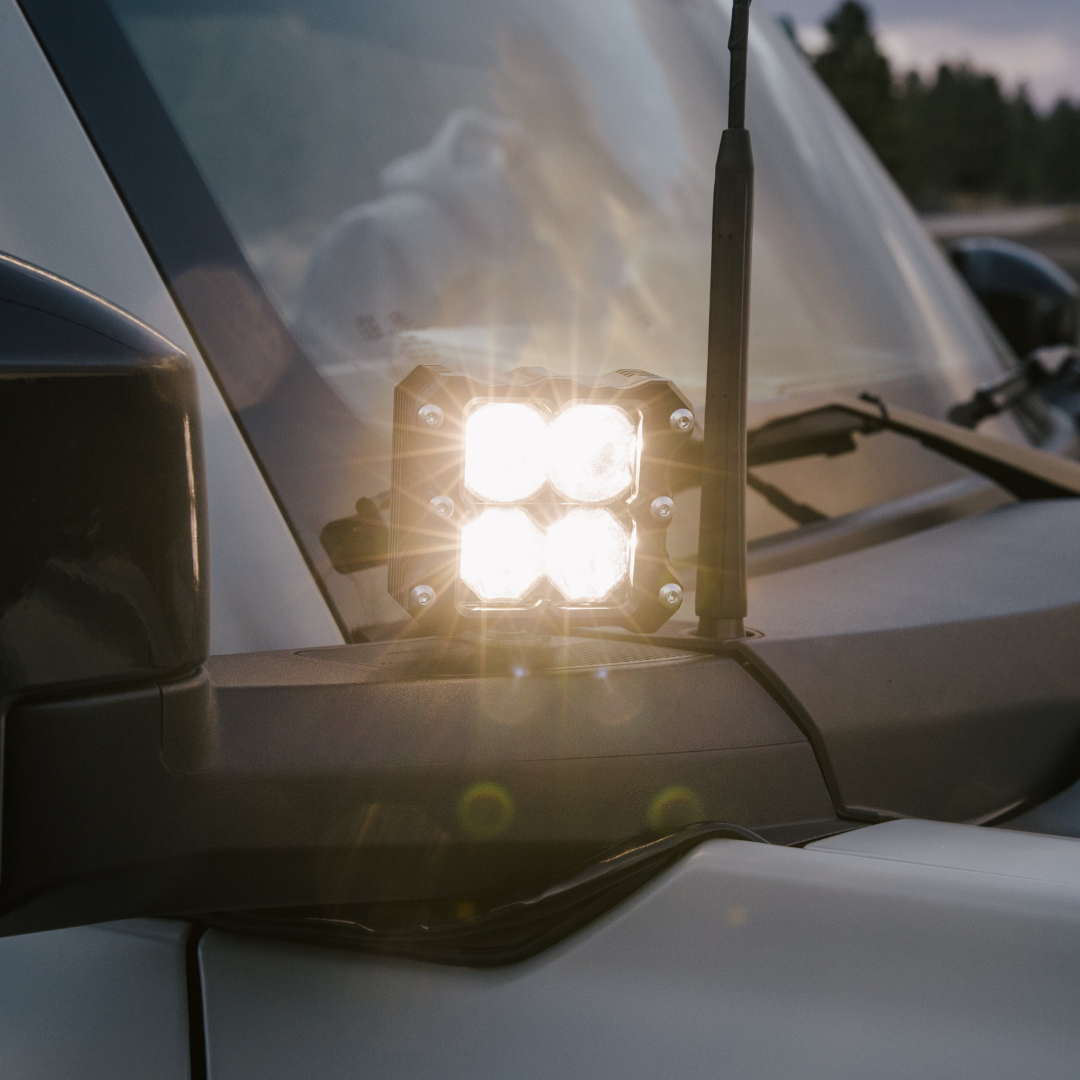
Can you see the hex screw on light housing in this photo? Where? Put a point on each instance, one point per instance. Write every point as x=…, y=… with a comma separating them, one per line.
x=682, y=420
x=431, y=416
x=422, y=597
x=443, y=506
x=662, y=509
x=671, y=595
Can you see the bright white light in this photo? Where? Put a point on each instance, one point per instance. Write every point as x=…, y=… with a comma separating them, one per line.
x=587, y=554
x=592, y=453
x=504, y=451
x=502, y=554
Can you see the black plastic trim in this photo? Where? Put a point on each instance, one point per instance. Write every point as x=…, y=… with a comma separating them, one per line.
x=104, y=515
x=199, y=1064
x=354, y=775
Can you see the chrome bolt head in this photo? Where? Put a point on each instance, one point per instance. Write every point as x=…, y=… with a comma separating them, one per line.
x=421, y=598
x=671, y=595
x=682, y=421
x=443, y=506
x=662, y=509
x=431, y=416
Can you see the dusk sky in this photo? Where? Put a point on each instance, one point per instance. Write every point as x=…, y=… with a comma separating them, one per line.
x=1035, y=41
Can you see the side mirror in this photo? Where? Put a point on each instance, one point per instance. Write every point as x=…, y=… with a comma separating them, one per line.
x=1032, y=301
x=102, y=497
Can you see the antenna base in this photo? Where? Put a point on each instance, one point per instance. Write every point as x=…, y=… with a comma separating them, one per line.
x=721, y=629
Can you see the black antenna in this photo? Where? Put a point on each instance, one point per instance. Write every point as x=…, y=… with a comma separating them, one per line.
x=721, y=575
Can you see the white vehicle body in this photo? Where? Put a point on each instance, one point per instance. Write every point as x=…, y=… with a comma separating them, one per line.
x=901, y=949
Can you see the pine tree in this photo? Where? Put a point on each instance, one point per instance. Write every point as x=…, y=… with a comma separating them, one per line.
x=962, y=138
x=1023, y=167
x=956, y=134
x=1061, y=152
x=858, y=74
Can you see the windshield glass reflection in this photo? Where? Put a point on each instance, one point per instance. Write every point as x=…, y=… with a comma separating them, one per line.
x=495, y=183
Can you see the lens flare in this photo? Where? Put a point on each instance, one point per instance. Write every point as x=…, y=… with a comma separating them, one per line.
x=592, y=453
x=505, y=458
x=486, y=810
x=587, y=555
x=674, y=807
x=502, y=554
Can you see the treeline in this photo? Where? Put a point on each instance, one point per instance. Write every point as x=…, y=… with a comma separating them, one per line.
x=956, y=137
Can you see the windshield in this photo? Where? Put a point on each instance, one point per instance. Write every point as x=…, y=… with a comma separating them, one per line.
x=496, y=183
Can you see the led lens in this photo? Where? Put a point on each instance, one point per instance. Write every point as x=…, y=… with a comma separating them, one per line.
x=502, y=554
x=587, y=554
x=592, y=453
x=505, y=458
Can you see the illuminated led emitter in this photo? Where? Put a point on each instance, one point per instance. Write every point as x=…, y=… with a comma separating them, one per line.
x=587, y=555
x=502, y=554
x=589, y=455
x=592, y=453
x=505, y=452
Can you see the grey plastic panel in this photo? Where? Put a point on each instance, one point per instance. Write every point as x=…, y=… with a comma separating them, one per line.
x=743, y=961
x=96, y=1003
x=1020, y=557
x=59, y=210
x=938, y=670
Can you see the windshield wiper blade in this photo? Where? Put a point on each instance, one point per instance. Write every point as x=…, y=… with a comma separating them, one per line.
x=1023, y=471
x=827, y=431
x=800, y=513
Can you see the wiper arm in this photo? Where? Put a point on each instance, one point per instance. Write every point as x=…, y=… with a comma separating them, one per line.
x=1034, y=373
x=1023, y=471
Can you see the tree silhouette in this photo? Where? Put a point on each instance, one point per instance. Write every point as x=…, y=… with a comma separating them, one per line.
x=857, y=72
x=961, y=134
x=955, y=135
x=1061, y=152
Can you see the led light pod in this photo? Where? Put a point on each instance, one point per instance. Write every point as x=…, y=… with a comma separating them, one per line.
x=552, y=481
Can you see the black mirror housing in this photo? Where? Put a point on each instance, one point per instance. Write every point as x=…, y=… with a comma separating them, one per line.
x=104, y=577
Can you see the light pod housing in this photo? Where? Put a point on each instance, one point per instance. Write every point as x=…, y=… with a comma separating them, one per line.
x=528, y=500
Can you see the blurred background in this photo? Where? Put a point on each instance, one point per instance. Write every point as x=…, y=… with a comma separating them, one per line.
x=972, y=105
